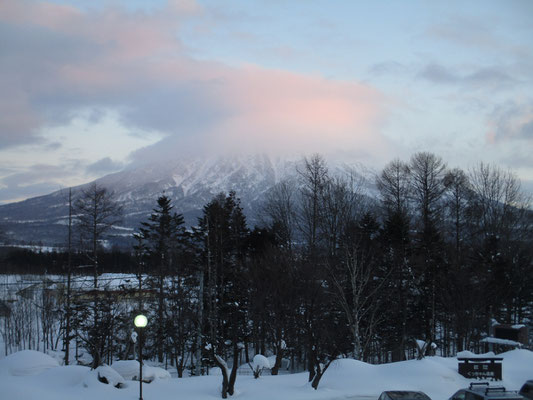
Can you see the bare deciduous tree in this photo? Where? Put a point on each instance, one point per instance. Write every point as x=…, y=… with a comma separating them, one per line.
x=280, y=212
x=500, y=202
x=96, y=213
x=313, y=175
x=459, y=194
x=427, y=189
x=356, y=281
x=339, y=202
x=393, y=186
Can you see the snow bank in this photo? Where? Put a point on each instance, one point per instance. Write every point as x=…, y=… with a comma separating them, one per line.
x=517, y=368
x=129, y=369
x=26, y=362
x=345, y=379
x=63, y=376
x=438, y=377
x=104, y=374
x=153, y=373
x=469, y=354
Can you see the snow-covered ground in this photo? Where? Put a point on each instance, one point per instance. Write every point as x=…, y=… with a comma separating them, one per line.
x=33, y=375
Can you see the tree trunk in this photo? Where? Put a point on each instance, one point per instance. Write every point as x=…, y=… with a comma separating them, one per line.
x=95, y=353
x=277, y=364
x=219, y=362
x=160, y=317
x=180, y=366
x=319, y=374
x=356, y=335
x=311, y=363
x=235, y=366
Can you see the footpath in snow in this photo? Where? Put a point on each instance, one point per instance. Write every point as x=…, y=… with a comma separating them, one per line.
x=32, y=375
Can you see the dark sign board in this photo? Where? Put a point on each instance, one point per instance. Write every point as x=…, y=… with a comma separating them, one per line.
x=518, y=333
x=481, y=368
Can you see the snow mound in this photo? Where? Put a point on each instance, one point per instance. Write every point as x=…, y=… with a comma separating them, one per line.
x=152, y=373
x=517, y=367
x=344, y=372
x=129, y=370
x=260, y=362
x=26, y=362
x=106, y=375
x=431, y=375
x=63, y=376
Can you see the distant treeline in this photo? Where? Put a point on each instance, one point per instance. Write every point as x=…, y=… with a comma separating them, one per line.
x=15, y=260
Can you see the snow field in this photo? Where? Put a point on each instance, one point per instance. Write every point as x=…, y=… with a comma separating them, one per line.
x=33, y=375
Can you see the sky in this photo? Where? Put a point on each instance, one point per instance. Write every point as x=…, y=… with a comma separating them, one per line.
x=91, y=87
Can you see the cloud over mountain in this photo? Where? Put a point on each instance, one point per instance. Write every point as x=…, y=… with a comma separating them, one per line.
x=135, y=64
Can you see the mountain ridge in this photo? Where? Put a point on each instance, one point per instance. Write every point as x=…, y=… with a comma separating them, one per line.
x=190, y=183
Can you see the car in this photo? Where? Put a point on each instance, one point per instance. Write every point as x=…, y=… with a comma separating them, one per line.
x=527, y=390
x=403, y=395
x=483, y=391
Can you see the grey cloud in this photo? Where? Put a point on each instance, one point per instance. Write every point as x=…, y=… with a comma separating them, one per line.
x=512, y=120
x=36, y=89
x=526, y=130
x=14, y=193
x=96, y=114
x=387, y=68
x=133, y=65
x=438, y=74
x=187, y=107
x=18, y=123
x=43, y=44
x=53, y=146
x=477, y=33
x=464, y=31
x=167, y=149
x=30, y=71
x=519, y=159
x=33, y=181
x=34, y=174
x=493, y=78
x=48, y=76
x=527, y=186
x=5, y=170
x=103, y=166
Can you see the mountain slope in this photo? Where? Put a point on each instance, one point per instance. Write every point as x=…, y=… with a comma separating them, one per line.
x=189, y=183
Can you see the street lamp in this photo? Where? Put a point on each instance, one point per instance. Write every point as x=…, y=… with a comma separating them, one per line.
x=140, y=322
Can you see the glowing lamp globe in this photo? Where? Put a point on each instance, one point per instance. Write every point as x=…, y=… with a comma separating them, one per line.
x=140, y=321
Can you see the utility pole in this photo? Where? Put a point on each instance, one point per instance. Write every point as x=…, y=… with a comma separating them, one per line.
x=69, y=273
x=200, y=320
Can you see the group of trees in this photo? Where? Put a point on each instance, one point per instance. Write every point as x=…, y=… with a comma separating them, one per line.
x=333, y=270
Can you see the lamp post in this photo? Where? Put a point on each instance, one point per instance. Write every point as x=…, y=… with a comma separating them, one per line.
x=140, y=322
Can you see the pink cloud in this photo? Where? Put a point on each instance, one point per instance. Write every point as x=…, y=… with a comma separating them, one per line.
x=126, y=60
x=278, y=109
x=42, y=14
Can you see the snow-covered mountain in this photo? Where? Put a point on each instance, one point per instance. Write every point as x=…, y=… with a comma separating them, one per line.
x=190, y=183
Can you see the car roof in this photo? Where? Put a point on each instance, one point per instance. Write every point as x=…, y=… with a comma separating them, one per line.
x=495, y=393
x=499, y=395
x=406, y=394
